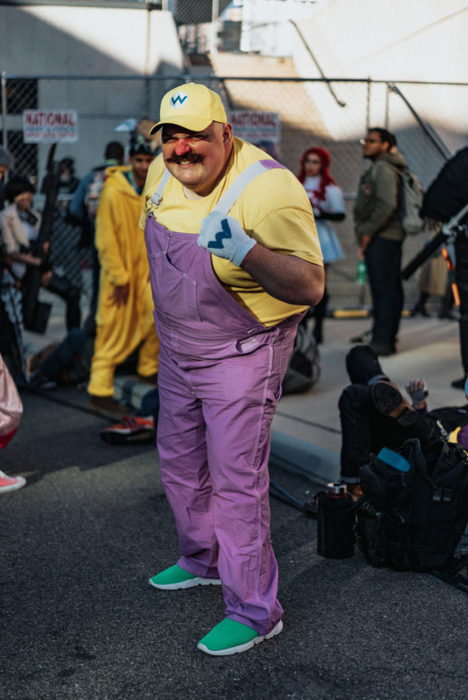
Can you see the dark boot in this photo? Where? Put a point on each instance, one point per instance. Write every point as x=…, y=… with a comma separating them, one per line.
x=320, y=311
x=419, y=309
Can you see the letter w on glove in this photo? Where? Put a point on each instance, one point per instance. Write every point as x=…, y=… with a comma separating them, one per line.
x=224, y=236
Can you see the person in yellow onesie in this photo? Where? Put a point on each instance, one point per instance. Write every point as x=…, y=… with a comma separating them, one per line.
x=125, y=308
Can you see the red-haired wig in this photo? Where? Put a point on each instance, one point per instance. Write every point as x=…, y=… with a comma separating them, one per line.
x=325, y=177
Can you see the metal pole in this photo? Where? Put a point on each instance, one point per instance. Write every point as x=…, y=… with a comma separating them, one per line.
x=214, y=26
x=368, y=103
x=327, y=81
x=4, y=110
x=146, y=84
x=387, y=106
x=437, y=142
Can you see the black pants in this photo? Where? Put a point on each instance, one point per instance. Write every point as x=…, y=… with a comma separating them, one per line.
x=365, y=430
x=461, y=277
x=383, y=261
x=71, y=295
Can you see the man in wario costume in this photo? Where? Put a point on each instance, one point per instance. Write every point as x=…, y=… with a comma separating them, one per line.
x=234, y=261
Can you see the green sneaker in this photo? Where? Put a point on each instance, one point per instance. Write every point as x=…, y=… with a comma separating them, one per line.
x=174, y=578
x=231, y=637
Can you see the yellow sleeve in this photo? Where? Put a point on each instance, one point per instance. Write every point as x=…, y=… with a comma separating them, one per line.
x=277, y=213
x=107, y=239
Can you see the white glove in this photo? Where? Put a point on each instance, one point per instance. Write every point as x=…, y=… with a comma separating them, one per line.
x=224, y=236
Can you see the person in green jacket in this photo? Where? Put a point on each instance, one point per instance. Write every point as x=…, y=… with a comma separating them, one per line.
x=380, y=235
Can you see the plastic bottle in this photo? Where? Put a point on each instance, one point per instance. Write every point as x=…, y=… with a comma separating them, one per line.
x=361, y=272
x=335, y=522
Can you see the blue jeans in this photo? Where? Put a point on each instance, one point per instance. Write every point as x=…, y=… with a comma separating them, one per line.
x=65, y=355
x=383, y=260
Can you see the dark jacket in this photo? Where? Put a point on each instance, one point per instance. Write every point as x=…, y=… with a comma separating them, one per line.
x=376, y=207
x=449, y=191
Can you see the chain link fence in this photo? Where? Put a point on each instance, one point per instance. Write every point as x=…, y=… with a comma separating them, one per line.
x=334, y=114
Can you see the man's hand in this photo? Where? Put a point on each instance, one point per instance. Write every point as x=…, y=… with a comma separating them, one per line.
x=363, y=243
x=224, y=236
x=417, y=391
x=119, y=295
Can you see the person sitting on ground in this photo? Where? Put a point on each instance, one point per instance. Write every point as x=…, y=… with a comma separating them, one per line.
x=374, y=414
x=67, y=362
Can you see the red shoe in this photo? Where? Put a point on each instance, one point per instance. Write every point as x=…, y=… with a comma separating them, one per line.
x=10, y=483
x=130, y=429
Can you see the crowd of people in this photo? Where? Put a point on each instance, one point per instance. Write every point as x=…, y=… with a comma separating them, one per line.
x=197, y=236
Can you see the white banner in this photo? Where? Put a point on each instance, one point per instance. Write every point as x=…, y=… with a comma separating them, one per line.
x=57, y=125
x=256, y=126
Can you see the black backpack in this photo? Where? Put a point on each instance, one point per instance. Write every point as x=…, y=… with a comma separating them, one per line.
x=304, y=364
x=414, y=520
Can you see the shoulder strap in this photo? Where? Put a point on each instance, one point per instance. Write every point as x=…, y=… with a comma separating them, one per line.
x=234, y=191
x=240, y=183
x=157, y=196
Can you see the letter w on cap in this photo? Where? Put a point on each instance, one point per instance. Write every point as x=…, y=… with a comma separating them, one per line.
x=178, y=98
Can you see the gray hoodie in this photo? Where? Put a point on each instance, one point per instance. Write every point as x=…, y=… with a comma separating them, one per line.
x=376, y=207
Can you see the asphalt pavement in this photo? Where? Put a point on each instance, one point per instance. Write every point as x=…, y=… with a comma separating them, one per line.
x=79, y=542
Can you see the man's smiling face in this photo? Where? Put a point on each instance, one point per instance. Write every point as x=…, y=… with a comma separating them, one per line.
x=197, y=158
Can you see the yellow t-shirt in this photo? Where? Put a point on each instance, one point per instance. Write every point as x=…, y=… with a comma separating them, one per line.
x=273, y=209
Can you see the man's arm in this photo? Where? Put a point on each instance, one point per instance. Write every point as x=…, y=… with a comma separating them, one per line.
x=285, y=277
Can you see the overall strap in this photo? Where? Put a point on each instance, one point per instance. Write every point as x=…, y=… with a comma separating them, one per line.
x=233, y=193
x=157, y=196
x=240, y=183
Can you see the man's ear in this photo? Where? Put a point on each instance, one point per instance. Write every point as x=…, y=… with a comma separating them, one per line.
x=227, y=134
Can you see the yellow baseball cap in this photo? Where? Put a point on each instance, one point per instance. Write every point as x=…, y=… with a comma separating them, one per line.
x=192, y=106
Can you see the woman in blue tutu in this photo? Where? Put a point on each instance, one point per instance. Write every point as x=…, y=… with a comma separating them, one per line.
x=328, y=205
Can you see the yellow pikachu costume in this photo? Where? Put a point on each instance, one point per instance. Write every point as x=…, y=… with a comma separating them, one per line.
x=122, y=254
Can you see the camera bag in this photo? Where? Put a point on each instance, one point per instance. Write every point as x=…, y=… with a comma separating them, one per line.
x=413, y=520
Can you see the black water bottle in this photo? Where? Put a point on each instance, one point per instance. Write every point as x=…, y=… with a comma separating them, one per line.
x=335, y=522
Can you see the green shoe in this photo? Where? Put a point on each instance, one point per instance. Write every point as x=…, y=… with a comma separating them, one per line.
x=231, y=637
x=174, y=578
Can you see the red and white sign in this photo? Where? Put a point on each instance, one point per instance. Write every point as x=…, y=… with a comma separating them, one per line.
x=57, y=125
x=256, y=126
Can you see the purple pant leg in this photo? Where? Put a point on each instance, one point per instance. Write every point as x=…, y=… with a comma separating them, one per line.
x=184, y=469
x=239, y=473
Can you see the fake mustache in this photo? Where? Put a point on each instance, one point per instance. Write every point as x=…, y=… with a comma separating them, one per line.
x=191, y=157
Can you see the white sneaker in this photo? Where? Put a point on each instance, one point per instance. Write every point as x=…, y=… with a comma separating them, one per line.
x=10, y=483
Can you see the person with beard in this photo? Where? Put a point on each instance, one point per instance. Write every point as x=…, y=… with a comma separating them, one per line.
x=235, y=262
x=380, y=236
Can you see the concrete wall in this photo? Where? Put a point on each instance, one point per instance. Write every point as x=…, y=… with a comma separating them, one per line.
x=64, y=41
x=404, y=39
x=391, y=40
x=395, y=40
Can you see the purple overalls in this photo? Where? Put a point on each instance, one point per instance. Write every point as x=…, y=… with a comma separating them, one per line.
x=220, y=375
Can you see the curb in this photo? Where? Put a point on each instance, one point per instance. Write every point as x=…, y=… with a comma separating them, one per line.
x=318, y=463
